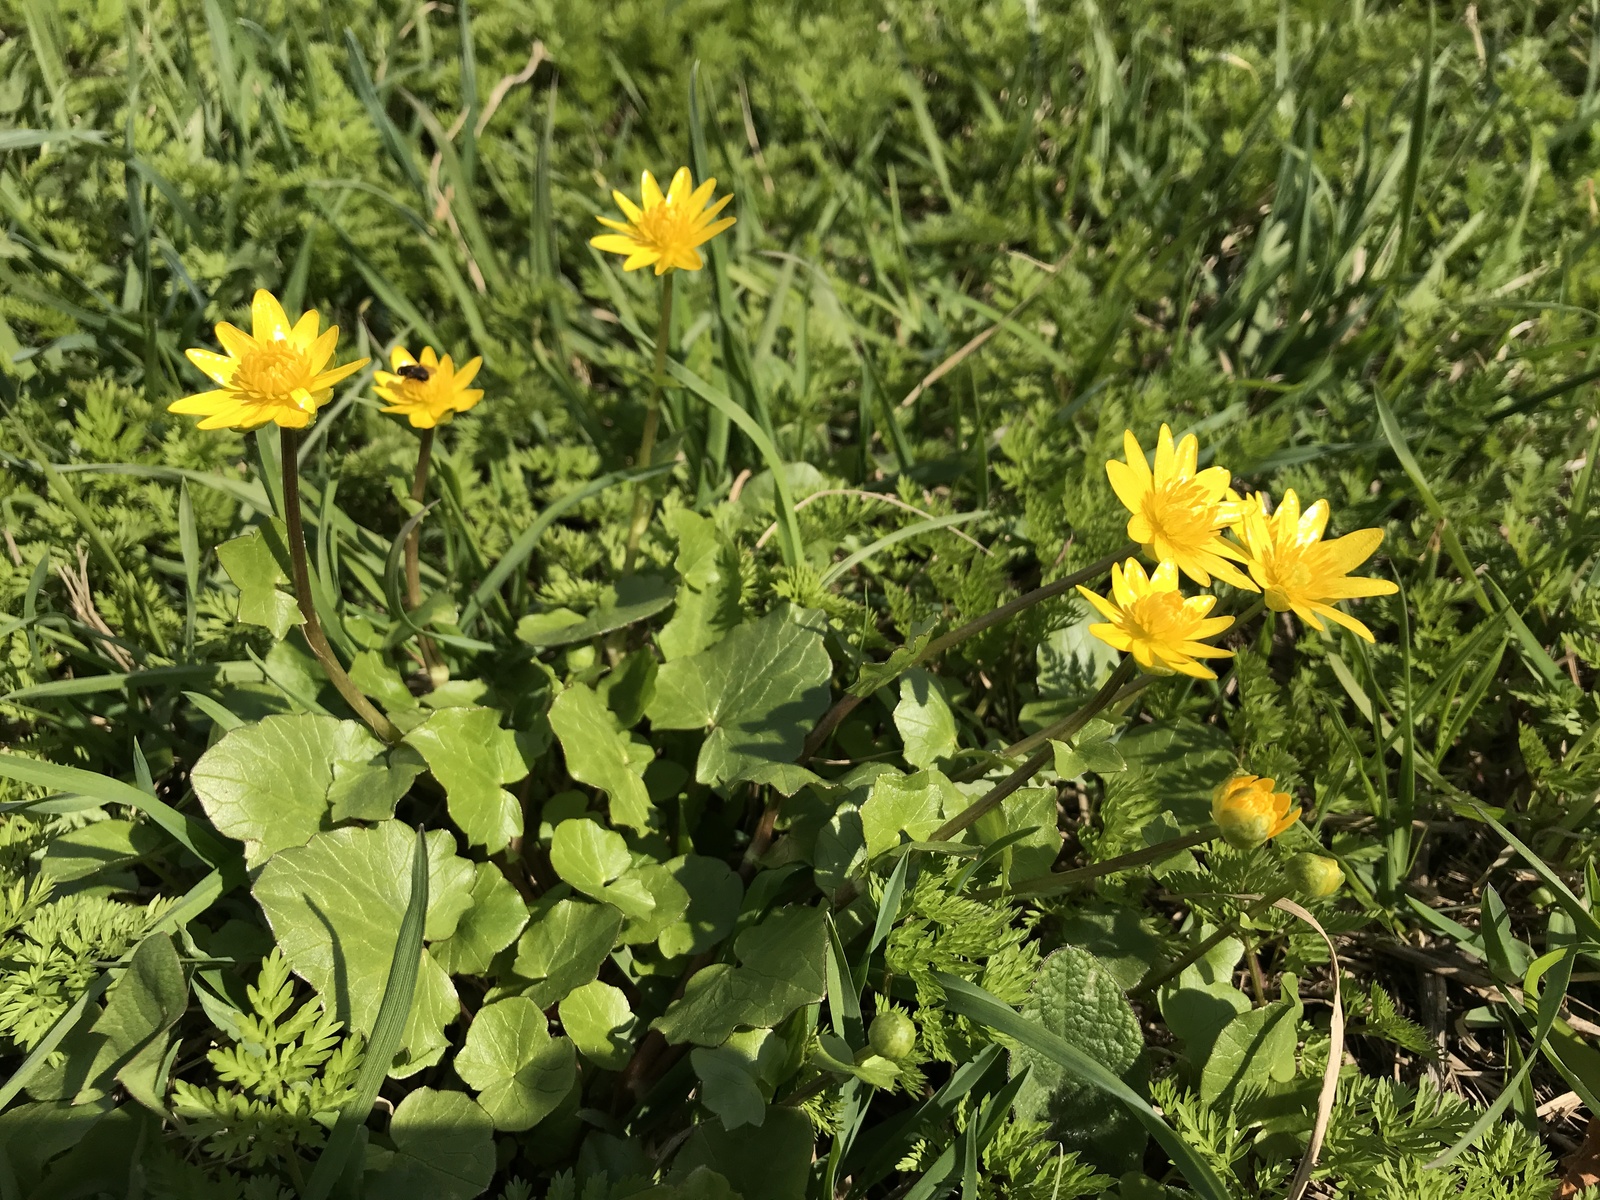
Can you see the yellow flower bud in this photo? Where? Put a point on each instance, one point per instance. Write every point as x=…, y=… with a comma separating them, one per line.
x=1249, y=812
x=1315, y=876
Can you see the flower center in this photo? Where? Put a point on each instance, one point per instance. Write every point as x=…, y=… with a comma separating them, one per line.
x=1284, y=573
x=1158, y=618
x=662, y=226
x=1180, y=512
x=272, y=372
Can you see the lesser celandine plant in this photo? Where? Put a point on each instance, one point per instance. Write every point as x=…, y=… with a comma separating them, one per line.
x=664, y=232
x=279, y=374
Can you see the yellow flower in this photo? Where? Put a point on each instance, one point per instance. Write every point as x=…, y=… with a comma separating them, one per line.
x=1298, y=571
x=1249, y=812
x=663, y=231
x=275, y=373
x=428, y=391
x=1178, y=513
x=1157, y=623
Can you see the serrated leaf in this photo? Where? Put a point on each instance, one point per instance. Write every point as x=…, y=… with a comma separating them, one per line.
x=757, y=692
x=563, y=948
x=257, y=563
x=471, y=756
x=923, y=717
x=600, y=754
x=273, y=784
x=521, y=1073
x=1076, y=999
x=334, y=905
x=496, y=917
x=444, y=1149
x=597, y=1018
x=782, y=966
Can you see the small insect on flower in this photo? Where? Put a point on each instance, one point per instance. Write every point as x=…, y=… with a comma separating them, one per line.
x=1151, y=619
x=663, y=230
x=427, y=390
x=1298, y=571
x=275, y=374
x=1249, y=812
x=1177, y=512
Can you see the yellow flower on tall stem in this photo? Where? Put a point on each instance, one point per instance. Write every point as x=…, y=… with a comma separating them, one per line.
x=1301, y=573
x=1178, y=513
x=275, y=374
x=428, y=391
x=664, y=232
x=1151, y=619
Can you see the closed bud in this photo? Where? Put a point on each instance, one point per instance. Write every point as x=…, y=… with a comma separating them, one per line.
x=892, y=1035
x=1249, y=812
x=1315, y=876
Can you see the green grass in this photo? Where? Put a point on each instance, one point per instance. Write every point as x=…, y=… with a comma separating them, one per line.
x=1352, y=247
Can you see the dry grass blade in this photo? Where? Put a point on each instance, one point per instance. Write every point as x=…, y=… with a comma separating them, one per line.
x=1330, y=1074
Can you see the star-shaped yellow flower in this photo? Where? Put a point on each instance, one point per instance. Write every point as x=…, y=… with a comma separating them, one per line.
x=273, y=374
x=1178, y=513
x=1298, y=571
x=663, y=231
x=1151, y=619
x=429, y=390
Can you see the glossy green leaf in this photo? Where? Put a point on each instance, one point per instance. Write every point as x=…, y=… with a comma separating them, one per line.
x=518, y=1070
x=258, y=563
x=600, y=1023
x=472, y=757
x=600, y=754
x=563, y=948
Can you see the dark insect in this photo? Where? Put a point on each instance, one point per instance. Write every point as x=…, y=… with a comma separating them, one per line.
x=414, y=371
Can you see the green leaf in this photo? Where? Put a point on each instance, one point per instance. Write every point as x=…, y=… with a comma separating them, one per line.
x=334, y=905
x=702, y=1183
x=257, y=563
x=595, y=860
x=472, y=756
x=130, y=1036
x=669, y=900
x=102, y=846
x=1202, y=1000
x=709, y=594
x=757, y=692
x=1034, y=852
x=1092, y=751
x=597, y=1018
x=773, y=1162
x=563, y=948
x=632, y=598
x=923, y=717
x=444, y=1149
x=728, y=1086
x=782, y=966
x=521, y=1073
x=969, y=1000
x=600, y=754
x=915, y=805
x=715, y=892
x=1077, y=1000
x=273, y=784
x=1253, y=1047
x=492, y=923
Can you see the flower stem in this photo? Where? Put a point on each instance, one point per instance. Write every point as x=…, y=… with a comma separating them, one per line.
x=1062, y=881
x=847, y=703
x=437, y=671
x=642, y=503
x=1159, y=977
x=312, y=628
x=1064, y=729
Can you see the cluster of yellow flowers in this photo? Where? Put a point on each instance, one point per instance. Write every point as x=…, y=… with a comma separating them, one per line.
x=1179, y=516
x=278, y=372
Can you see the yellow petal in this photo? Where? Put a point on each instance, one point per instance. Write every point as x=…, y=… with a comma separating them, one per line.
x=1129, y=487
x=305, y=329
x=627, y=207
x=468, y=372
x=327, y=379
x=202, y=403
x=641, y=257
x=704, y=217
x=400, y=357
x=1345, y=619
x=1356, y=586
x=1103, y=606
x=702, y=195
x=267, y=319
x=1347, y=553
x=219, y=366
x=1165, y=578
x=711, y=231
x=1188, y=456
x=1136, y=460
x=234, y=340
x=322, y=349
x=649, y=191
x=1166, y=456
x=1113, y=636
x=619, y=226
x=1310, y=528
x=680, y=187
x=429, y=359
x=1213, y=480
x=615, y=243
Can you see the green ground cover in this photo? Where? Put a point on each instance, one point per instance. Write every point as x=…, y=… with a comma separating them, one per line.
x=701, y=905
